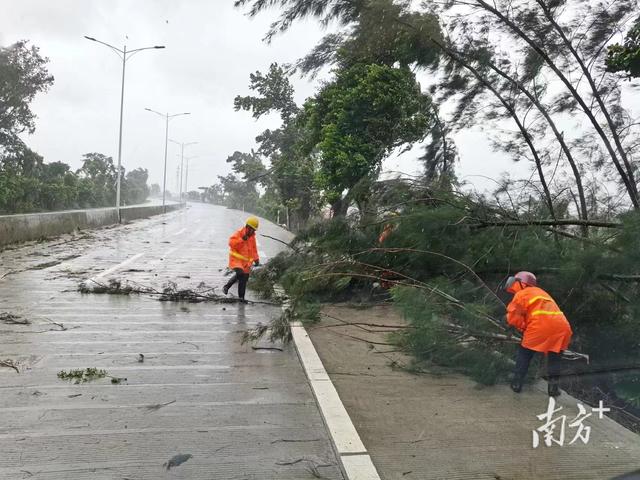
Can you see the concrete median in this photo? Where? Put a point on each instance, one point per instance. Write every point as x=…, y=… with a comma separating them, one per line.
x=35, y=226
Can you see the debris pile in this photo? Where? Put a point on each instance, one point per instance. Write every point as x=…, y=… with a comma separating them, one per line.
x=87, y=375
x=169, y=292
x=11, y=319
x=10, y=364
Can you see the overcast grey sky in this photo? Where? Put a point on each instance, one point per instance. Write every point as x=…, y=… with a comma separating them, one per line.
x=211, y=49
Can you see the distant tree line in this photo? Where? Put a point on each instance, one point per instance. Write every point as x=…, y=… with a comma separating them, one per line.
x=27, y=183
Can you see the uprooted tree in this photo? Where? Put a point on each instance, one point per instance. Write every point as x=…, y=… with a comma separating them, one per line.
x=532, y=75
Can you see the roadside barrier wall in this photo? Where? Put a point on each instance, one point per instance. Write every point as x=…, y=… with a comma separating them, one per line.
x=35, y=226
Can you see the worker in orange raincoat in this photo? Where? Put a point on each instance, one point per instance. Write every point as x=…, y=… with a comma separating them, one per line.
x=545, y=329
x=386, y=231
x=243, y=254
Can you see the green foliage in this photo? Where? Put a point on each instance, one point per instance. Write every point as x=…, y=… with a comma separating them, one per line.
x=27, y=184
x=431, y=341
x=23, y=74
x=134, y=187
x=629, y=389
x=82, y=376
x=288, y=182
x=452, y=265
x=275, y=94
x=626, y=58
x=359, y=118
x=264, y=279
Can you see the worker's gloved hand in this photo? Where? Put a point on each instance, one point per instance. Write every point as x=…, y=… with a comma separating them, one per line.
x=245, y=237
x=256, y=263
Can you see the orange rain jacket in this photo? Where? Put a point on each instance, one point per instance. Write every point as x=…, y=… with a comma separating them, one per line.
x=388, y=229
x=544, y=326
x=242, y=253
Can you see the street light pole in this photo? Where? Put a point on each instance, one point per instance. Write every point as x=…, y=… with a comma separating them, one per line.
x=186, y=175
x=181, y=167
x=182, y=145
x=164, y=176
x=166, y=142
x=124, y=66
x=125, y=55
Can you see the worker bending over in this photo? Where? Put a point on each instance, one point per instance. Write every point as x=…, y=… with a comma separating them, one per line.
x=544, y=327
x=243, y=254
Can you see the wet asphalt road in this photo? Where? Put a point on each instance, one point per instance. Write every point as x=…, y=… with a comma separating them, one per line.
x=240, y=413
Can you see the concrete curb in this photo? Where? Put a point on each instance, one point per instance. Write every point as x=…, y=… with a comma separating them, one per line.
x=355, y=461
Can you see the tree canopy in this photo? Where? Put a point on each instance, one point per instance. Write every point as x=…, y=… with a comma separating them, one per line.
x=23, y=74
x=626, y=57
x=355, y=121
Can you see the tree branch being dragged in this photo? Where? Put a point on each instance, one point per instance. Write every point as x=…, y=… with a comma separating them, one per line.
x=452, y=325
x=170, y=292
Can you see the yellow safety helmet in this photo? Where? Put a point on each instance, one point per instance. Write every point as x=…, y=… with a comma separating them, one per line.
x=253, y=222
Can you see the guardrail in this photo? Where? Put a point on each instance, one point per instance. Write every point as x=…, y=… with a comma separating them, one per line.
x=35, y=226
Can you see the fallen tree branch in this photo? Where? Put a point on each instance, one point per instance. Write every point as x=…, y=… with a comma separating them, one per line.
x=579, y=238
x=309, y=460
x=169, y=293
x=621, y=278
x=293, y=440
x=158, y=406
x=344, y=323
x=6, y=274
x=278, y=240
x=362, y=339
x=441, y=255
x=9, y=364
x=545, y=223
x=360, y=324
x=414, y=283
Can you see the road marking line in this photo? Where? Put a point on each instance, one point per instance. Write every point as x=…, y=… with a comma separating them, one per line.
x=118, y=266
x=359, y=467
x=354, y=459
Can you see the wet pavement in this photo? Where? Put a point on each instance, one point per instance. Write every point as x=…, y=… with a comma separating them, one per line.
x=199, y=406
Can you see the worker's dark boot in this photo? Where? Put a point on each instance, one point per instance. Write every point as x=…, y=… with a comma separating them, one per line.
x=553, y=388
x=225, y=289
x=516, y=385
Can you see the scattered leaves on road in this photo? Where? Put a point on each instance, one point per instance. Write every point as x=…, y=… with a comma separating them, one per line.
x=82, y=376
x=87, y=375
